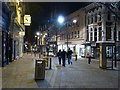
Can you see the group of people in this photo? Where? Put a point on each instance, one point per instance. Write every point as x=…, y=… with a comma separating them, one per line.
x=62, y=55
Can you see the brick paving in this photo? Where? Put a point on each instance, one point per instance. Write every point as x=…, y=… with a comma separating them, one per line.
x=20, y=74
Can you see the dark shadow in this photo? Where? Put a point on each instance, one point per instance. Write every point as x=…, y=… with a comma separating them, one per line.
x=42, y=83
x=112, y=69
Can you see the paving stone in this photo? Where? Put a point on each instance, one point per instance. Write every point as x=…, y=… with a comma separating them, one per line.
x=20, y=74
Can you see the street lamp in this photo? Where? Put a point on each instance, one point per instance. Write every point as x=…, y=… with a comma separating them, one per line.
x=74, y=21
x=60, y=21
x=35, y=39
x=38, y=33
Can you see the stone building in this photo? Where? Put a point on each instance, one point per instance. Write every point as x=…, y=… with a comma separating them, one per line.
x=12, y=31
x=72, y=34
x=100, y=27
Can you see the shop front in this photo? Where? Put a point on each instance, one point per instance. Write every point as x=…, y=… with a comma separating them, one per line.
x=4, y=34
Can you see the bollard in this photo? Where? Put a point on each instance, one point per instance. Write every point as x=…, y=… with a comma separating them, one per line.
x=89, y=60
x=112, y=63
x=75, y=57
x=50, y=64
x=39, y=55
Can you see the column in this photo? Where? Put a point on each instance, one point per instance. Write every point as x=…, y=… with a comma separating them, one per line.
x=97, y=33
x=93, y=33
x=89, y=30
x=103, y=27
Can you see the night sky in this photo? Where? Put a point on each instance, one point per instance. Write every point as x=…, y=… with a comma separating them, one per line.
x=41, y=13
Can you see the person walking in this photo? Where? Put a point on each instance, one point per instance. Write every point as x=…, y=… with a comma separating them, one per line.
x=69, y=53
x=63, y=57
x=59, y=55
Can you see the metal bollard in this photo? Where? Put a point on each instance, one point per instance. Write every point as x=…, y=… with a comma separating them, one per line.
x=50, y=64
x=89, y=60
x=39, y=55
x=75, y=57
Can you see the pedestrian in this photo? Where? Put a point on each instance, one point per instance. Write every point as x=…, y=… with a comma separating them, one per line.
x=59, y=55
x=89, y=57
x=69, y=54
x=63, y=57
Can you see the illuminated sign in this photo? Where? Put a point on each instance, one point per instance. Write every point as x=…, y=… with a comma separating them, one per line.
x=22, y=33
x=27, y=20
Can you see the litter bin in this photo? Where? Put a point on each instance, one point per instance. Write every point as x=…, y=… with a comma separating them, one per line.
x=46, y=61
x=40, y=69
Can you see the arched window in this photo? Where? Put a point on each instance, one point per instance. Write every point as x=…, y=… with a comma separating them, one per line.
x=91, y=34
x=99, y=16
x=78, y=34
x=95, y=17
x=95, y=34
x=91, y=19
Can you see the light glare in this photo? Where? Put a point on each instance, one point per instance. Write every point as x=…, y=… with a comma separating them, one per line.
x=60, y=19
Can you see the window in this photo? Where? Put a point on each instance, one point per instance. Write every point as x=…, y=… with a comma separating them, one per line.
x=91, y=19
x=91, y=34
x=119, y=35
x=75, y=34
x=99, y=16
x=78, y=34
x=95, y=34
x=72, y=34
x=95, y=18
x=87, y=35
x=108, y=33
x=100, y=33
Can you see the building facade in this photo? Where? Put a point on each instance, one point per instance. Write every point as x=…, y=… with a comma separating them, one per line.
x=17, y=29
x=101, y=26
x=72, y=34
x=11, y=31
x=4, y=33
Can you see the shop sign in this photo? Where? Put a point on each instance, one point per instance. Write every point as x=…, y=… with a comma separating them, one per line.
x=27, y=20
x=68, y=42
x=93, y=44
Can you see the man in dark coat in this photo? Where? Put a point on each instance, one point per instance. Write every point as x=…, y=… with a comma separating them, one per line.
x=63, y=57
x=69, y=53
x=59, y=54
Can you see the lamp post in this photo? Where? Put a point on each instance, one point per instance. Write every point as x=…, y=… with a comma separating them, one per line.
x=35, y=39
x=38, y=37
x=115, y=42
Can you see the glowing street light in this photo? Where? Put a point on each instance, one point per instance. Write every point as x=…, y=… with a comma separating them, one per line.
x=45, y=33
x=38, y=33
x=60, y=19
x=74, y=21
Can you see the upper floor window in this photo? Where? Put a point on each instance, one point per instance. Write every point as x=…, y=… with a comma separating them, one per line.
x=95, y=34
x=99, y=16
x=72, y=34
x=91, y=34
x=75, y=34
x=78, y=34
x=108, y=33
x=95, y=18
x=91, y=19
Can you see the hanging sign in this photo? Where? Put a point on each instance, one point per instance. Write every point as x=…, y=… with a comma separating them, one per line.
x=27, y=20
